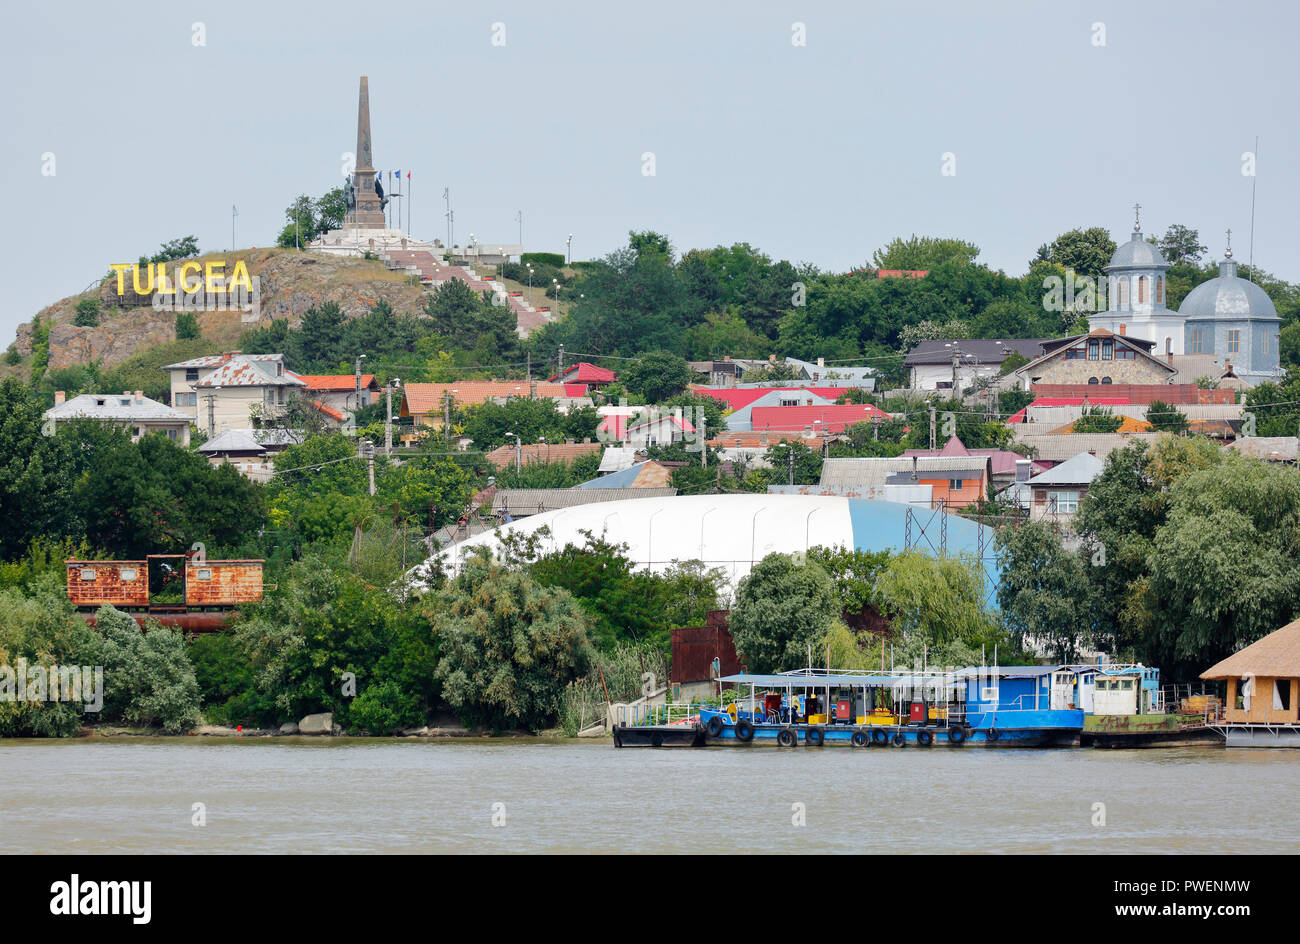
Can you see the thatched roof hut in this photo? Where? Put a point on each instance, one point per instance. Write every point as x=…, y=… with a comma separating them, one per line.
x=1277, y=655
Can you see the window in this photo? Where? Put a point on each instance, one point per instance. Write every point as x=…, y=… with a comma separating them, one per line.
x=1123, y=293
x=1160, y=289
x=123, y=401
x=171, y=434
x=137, y=432
x=1065, y=503
x=1107, y=350
x=1234, y=341
x=203, y=573
x=1105, y=380
x=191, y=373
x=187, y=399
x=1092, y=380
x=1281, y=694
x=87, y=573
x=1245, y=689
x=127, y=573
x=1142, y=288
x=1169, y=345
x=1263, y=342
x=1123, y=329
x=1197, y=335
x=1093, y=347
x=956, y=485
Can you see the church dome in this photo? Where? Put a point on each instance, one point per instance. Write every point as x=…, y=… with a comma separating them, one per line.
x=1137, y=253
x=1227, y=298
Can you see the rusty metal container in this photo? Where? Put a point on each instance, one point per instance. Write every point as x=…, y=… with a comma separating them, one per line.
x=222, y=582
x=119, y=583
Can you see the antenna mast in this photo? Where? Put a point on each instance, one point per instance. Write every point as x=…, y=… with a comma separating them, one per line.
x=1253, y=178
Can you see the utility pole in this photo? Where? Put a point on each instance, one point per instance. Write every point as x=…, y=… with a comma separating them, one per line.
x=388, y=421
x=790, y=446
x=530, y=366
x=212, y=404
x=359, y=357
x=370, y=464
x=931, y=427
x=446, y=416
x=704, y=443
x=559, y=360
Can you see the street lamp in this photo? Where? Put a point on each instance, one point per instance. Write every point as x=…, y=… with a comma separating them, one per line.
x=558, y=286
x=569, y=249
x=530, y=285
x=519, y=452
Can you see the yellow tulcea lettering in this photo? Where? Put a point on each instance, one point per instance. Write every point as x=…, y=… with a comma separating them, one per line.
x=240, y=277
x=120, y=268
x=185, y=269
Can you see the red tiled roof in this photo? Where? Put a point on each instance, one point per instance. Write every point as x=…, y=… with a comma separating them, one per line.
x=833, y=419
x=583, y=372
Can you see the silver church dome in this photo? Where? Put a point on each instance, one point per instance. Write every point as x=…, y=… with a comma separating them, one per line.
x=1227, y=298
x=1137, y=253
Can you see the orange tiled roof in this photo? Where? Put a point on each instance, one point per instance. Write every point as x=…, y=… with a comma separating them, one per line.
x=419, y=398
x=335, y=383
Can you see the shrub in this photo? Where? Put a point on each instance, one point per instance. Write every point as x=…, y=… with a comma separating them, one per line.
x=187, y=326
x=554, y=259
x=148, y=679
x=87, y=313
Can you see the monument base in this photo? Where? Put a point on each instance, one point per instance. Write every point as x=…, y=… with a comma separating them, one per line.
x=357, y=242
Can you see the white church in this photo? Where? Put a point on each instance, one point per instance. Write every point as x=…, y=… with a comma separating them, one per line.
x=1228, y=316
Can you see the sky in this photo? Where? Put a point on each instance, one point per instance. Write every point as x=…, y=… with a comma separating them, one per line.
x=1054, y=115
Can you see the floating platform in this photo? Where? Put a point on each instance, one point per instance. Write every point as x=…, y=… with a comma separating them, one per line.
x=1139, y=731
x=658, y=735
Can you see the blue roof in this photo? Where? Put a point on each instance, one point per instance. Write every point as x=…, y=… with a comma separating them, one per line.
x=624, y=478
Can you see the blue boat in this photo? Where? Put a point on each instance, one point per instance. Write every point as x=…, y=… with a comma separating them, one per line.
x=1008, y=706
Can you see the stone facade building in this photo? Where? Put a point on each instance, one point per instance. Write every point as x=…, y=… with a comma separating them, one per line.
x=1098, y=358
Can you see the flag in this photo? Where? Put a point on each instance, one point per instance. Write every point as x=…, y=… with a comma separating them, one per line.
x=399, y=175
x=408, y=175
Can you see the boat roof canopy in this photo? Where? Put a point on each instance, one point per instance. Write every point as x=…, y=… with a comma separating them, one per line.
x=831, y=680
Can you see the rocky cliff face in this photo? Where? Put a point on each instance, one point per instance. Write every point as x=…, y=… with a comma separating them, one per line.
x=291, y=282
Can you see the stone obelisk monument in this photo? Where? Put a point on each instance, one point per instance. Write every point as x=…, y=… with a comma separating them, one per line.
x=367, y=211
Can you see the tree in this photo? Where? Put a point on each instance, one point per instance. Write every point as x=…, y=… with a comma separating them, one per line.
x=781, y=607
x=1095, y=419
x=187, y=326
x=1225, y=568
x=1181, y=245
x=148, y=679
x=938, y=600
x=330, y=210
x=657, y=376
x=1165, y=418
x=855, y=575
x=793, y=458
x=923, y=252
x=1042, y=589
x=1085, y=251
x=183, y=247
x=87, y=313
x=301, y=226
x=509, y=646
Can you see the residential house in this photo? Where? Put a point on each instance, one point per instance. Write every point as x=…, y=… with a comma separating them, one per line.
x=184, y=374
x=589, y=375
x=1002, y=462
x=1054, y=495
x=1177, y=393
x=955, y=481
x=818, y=420
x=1263, y=691
x=428, y=403
x=958, y=364
x=1098, y=358
x=511, y=504
x=251, y=451
x=750, y=448
x=1048, y=450
x=1269, y=448
x=643, y=476
x=658, y=431
x=132, y=411
x=339, y=391
x=540, y=453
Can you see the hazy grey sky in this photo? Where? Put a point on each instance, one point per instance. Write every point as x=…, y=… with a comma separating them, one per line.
x=817, y=153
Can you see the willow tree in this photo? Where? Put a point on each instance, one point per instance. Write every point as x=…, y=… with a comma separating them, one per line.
x=509, y=646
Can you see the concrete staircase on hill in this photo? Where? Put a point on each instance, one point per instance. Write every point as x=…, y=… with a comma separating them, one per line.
x=431, y=270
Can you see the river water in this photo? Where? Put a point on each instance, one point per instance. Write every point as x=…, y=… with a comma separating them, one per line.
x=359, y=796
